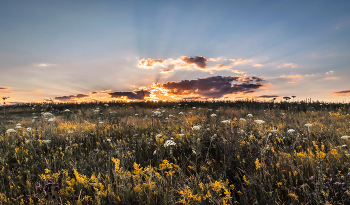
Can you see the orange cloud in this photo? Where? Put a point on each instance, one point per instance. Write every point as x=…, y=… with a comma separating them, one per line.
x=330, y=72
x=287, y=65
x=150, y=63
x=257, y=65
x=167, y=71
x=342, y=93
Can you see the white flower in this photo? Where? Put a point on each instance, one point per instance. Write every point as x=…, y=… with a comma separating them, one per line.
x=308, y=125
x=136, y=114
x=226, y=121
x=155, y=151
x=273, y=130
x=45, y=141
x=210, y=109
x=259, y=121
x=344, y=145
x=11, y=131
x=169, y=143
x=181, y=113
x=157, y=112
x=208, y=128
x=194, y=152
x=345, y=137
x=70, y=131
x=213, y=115
x=52, y=119
x=291, y=131
x=242, y=119
x=106, y=105
x=46, y=114
x=100, y=122
x=29, y=129
x=18, y=124
x=109, y=140
x=113, y=112
x=171, y=115
x=198, y=127
x=181, y=135
x=159, y=135
x=66, y=110
x=18, y=127
x=194, y=108
x=249, y=115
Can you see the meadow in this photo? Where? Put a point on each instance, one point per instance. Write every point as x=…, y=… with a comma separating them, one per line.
x=175, y=153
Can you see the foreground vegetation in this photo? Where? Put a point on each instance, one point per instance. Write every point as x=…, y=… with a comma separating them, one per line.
x=175, y=153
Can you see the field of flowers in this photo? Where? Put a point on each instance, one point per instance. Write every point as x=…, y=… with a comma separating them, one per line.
x=175, y=153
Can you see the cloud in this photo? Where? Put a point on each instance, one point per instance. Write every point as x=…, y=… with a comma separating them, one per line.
x=235, y=62
x=71, y=97
x=199, y=61
x=295, y=78
x=342, y=93
x=2, y=88
x=331, y=78
x=257, y=65
x=166, y=70
x=45, y=64
x=216, y=86
x=268, y=96
x=287, y=65
x=330, y=72
x=150, y=63
x=134, y=95
x=93, y=92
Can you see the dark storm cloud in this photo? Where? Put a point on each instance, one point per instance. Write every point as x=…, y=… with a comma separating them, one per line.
x=342, y=92
x=216, y=86
x=135, y=95
x=199, y=61
x=268, y=96
x=71, y=97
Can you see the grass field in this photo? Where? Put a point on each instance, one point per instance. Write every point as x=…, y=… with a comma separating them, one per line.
x=175, y=153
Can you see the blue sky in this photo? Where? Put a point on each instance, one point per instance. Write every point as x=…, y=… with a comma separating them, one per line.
x=50, y=49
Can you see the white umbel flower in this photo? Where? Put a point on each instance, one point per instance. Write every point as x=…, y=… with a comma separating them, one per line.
x=11, y=131
x=169, y=143
x=213, y=115
x=291, y=131
x=249, y=115
x=242, y=119
x=226, y=121
x=259, y=121
x=345, y=137
x=198, y=127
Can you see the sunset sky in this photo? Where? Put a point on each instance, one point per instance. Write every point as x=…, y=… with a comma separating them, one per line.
x=70, y=51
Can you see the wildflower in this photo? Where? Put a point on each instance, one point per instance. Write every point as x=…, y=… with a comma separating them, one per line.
x=194, y=108
x=18, y=124
x=345, y=137
x=242, y=119
x=158, y=135
x=18, y=127
x=46, y=114
x=226, y=121
x=66, y=110
x=249, y=115
x=109, y=140
x=157, y=112
x=171, y=115
x=213, y=115
x=70, y=131
x=106, y=105
x=169, y=143
x=308, y=125
x=52, y=119
x=181, y=113
x=344, y=146
x=100, y=122
x=291, y=131
x=181, y=135
x=198, y=127
x=155, y=151
x=11, y=131
x=273, y=130
x=259, y=121
x=46, y=141
x=29, y=129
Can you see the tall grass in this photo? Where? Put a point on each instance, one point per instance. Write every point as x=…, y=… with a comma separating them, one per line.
x=153, y=154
